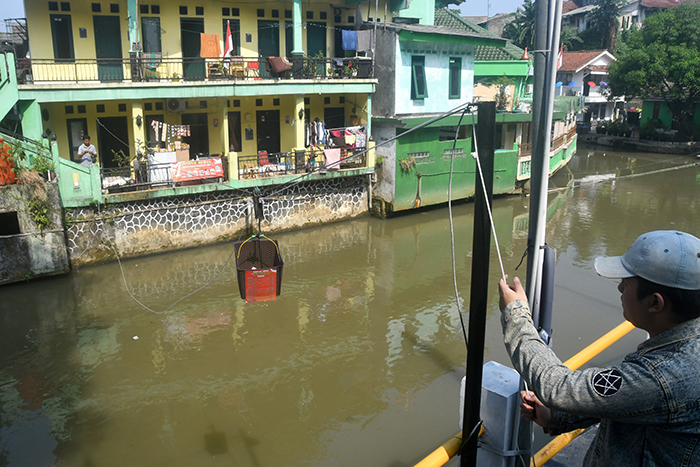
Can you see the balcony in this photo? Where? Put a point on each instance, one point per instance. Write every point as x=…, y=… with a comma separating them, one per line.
x=153, y=68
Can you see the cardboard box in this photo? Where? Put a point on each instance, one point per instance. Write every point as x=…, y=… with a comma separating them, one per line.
x=182, y=155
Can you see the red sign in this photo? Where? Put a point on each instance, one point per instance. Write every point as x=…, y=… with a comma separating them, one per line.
x=260, y=285
x=197, y=170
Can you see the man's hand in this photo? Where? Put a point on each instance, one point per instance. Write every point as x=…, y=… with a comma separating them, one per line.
x=510, y=293
x=533, y=410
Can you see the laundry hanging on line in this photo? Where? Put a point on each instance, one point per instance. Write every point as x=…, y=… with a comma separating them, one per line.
x=164, y=131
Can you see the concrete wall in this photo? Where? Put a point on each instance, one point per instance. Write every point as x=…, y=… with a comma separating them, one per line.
x=437, y=74
x=151, y=226
x=383, y=101
x=32, y=252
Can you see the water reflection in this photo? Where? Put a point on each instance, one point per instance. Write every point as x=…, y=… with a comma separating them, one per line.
x=358, y=362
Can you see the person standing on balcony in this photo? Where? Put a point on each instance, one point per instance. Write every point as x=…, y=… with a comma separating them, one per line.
x=648, y=406
x=87, y=152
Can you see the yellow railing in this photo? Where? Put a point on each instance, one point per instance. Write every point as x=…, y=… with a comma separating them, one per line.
x=450, y=448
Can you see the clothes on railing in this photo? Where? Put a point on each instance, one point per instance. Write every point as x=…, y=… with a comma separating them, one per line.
x=350, y=137
x=331, y=157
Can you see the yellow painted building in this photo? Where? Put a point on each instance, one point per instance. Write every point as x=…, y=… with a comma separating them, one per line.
x=109, y=69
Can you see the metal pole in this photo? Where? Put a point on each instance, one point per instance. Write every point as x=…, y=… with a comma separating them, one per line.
x=540, y=164
x=481, y=248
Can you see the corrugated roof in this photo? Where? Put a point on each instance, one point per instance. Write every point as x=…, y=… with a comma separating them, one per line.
x=451, y=19
x=440, y=29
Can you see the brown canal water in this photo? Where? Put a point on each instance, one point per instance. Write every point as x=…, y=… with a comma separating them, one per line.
x=357, y=363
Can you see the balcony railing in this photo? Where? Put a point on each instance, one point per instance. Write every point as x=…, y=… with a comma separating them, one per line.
x=151, y=176
x=290, y=163
x=153, y=68
x=525, y=149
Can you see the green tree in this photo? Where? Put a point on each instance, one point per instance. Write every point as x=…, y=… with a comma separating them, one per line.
x=569, y=38
x=522, y=29
x=662, y=60
x=604, y=23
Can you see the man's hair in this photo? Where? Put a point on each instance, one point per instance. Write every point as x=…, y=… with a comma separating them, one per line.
x=86, y=137
x=684, y=303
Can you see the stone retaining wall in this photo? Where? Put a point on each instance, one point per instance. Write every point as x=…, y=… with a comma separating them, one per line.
x=149, y=226
x=633, y=144
x=28, y=249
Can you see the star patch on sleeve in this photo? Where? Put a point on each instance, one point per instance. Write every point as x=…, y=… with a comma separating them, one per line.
x=607, y=382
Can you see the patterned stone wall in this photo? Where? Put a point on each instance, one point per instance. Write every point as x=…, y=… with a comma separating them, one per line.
x=148, y=226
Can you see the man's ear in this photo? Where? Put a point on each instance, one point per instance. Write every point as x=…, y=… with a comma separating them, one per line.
x=657, y=302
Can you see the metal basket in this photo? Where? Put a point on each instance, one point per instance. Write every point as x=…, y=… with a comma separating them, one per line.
x=256, y=260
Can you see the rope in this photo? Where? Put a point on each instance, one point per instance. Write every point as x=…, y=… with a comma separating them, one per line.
x=486, y=199
x=238, y=255
x=452, y=231
x=126, y=286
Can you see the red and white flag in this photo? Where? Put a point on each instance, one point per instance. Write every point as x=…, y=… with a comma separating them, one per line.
x=228, y=47
x=560, y=58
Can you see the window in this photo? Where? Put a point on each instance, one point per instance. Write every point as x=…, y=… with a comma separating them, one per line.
x=114, y=8
x=234, y=132
x=455, y=77
x=235, y=35
x=143, y=9
x=150, y=30
x=419, y=88
x=96, y=8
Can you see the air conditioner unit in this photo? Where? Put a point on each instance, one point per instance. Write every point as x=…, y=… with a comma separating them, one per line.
x=176, y=105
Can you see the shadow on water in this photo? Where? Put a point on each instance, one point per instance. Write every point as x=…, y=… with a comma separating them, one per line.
x=439, y=358
x=215, y=442
x=46, y=360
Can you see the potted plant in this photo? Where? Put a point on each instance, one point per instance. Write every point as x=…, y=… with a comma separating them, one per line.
x=175, y=77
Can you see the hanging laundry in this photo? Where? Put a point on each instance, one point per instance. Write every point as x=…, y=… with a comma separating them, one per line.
x=364, y=40
x=360, y=140
x=331, y=158
x=349, y=40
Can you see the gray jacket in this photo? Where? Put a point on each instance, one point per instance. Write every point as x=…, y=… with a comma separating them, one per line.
x=648, y=406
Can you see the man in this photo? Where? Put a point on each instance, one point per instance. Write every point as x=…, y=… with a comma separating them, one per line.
x=87, y=152
x=648, y=406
